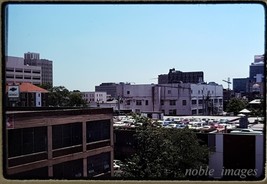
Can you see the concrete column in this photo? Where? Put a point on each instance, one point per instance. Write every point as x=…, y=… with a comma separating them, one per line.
x=84, y=148
x=49, y=150
x=259, y=164
x=216, y=159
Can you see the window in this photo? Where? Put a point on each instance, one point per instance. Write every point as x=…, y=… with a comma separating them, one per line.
x=98, y=164
x=194, y=112
x=215, y=100
x=10, y=69
x=138, y=102
x=200, y=102
x=67, y=135
x=169, y=92
x=161, y=102
x=220, y=101
x=184, y=102
x=172, y=102
x=198, y=91
x=172, y=112
x=128, y=92
x=128, y=102
x=19, y=77
x=70, y=169
x=146, y=102
x=10, y=76
x=27, y=71
x=36, y=71
x=194, y=102
x=18, y=69
x=26, y=140
x=200, y=111
x=27, y=77
x=97, y=130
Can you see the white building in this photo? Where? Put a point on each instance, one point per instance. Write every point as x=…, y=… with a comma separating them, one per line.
x=173, y=99
x=17, y=72
x=95, y=97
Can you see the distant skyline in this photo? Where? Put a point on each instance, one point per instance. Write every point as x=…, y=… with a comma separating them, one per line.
x=91, y=44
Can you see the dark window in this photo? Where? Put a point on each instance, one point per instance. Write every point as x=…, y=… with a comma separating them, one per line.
x=184, y=102
x=71, y=169
x=172, y=102
x=67, y=135
x=36, y=71
x=128, y=102
x=146, y=102
x=128, y=92
x=97, y=130
x=27, y=140
x=169, y=91
x=194, y=102
x=98, y=164
x=19, y=77
x=172, y=112
x=215, y=100
x=194, y=112
x=200, y=102
x=27, y=77
x=10, y=76
x=18, y=69
x=161, y=102
x=10, y=69
x=27, y=71
x=138, y=102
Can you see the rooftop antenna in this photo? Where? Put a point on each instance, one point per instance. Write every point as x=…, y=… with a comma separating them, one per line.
x=228, y=82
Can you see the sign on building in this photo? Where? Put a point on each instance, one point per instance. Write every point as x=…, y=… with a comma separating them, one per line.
x=13, y=91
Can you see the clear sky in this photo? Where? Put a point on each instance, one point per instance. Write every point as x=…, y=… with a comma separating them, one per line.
x=90, y=44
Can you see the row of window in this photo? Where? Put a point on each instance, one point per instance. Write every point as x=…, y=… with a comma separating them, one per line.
x=22, y=77
x=194, y=102
x=96, y=165
x=93, y=95
x=32, y=140
x=173, y=102
x=20, y=70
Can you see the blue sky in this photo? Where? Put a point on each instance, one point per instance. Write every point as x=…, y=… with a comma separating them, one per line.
x=91, y=44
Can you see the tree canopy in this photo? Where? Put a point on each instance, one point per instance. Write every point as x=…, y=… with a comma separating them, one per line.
x=165, y=153
x=235, y=105
x=59, y=96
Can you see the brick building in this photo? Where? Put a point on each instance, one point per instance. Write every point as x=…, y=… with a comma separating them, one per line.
x=58, y=143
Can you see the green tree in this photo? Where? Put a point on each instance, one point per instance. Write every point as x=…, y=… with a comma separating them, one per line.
x=235, y=105
x=76, y=100
x=47, y=86
x=165, y=153
x=58, y=96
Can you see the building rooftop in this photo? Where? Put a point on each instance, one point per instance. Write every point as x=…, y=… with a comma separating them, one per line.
x=28, y=88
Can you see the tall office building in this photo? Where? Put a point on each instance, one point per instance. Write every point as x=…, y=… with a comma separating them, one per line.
x=33, y=59
x=17, y=72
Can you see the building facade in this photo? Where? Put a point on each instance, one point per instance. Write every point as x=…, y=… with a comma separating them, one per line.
x=173, y=99
x=33, y=59
x=59, y=144
x=17, y=72
x=181, y=77
x=28, y=95
x=95, y=97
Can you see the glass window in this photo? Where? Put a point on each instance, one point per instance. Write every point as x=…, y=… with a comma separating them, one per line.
x=184, y=102
x=67, y=135
x=138, y=102
x=172, y=102
x=194, y=102
x=98, y=164
x=97, y=130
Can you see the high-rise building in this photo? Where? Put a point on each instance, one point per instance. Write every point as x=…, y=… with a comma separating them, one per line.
x=33, y=59
x=17, y=72
x=181, y=77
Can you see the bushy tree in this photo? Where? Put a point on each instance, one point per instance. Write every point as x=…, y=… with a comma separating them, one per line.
x=235, y=105
x=59, y=96
x=165, y=153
